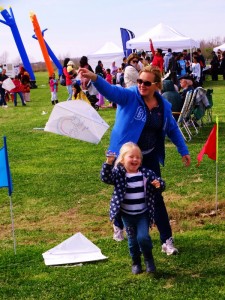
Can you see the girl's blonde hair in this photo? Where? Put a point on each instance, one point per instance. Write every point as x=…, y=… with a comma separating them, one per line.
x=123, y=151
x=156, y=72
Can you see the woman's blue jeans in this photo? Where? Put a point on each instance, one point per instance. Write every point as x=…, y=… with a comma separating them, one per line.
x=139, y=240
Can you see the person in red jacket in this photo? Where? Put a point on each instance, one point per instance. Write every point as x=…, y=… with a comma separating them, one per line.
x=158, y=60
x=17, y=90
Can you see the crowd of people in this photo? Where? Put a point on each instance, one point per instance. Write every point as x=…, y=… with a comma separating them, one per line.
x=21, y=87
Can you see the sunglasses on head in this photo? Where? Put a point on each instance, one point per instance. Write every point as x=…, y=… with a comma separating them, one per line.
x=146, y=83
x=135, y=61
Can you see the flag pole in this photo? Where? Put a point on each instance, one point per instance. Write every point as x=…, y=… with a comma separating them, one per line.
x=10, y=193
x=217, y=143
x=12, y=222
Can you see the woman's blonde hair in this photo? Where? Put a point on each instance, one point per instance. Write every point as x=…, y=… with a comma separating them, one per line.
x=124, y=149
x=156, y=72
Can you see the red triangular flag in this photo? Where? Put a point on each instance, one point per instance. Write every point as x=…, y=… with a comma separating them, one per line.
x=210, y=146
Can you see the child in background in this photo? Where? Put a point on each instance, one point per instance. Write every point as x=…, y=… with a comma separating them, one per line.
x=17, y=90
x=133, y=197
x=53, y=83
x=108, y=77
x=78, y=94
x=26, y=88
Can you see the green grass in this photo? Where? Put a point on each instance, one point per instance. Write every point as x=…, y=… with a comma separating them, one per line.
x=57, y=192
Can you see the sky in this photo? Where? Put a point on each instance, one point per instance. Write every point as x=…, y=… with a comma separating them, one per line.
x=80, y=27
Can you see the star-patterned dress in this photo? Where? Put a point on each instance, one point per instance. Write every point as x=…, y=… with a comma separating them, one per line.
x=117, y=177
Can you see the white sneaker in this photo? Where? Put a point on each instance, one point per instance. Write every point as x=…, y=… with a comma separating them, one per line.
x=5, y=106
x=168, y=247
x=118, y=234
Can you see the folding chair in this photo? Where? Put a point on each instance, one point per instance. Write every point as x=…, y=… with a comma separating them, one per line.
x=184, y=116
x=209, y=108
x=201, y=105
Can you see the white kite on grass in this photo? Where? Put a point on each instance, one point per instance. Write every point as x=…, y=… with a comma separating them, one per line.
x=74, y=250
x=77, y=119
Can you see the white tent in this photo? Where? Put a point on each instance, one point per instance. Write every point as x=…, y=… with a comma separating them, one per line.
x=221, y=47
x=163, y=37
x=108, y=53
x=75, y=249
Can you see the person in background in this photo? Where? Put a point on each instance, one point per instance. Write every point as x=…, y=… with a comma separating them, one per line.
x=145, y=118
x=3, y=77
x=187, y=56
x=170, y=93
x=53, y=83
x=17, y=90
x=99, y=70
x=84, y=64
x=181, y=65
x=172, y=68
x=158, y=60
x=201, y=60
x=222, y=65
x=195, y=69
x=148, y=60
x=133, y=197
x=131, y=70
x=186, y=84
x=166, y=58
x=78, y=94
x=114, y=70
x=118, y=77
x=215, y=64
x=24, y=77
x=67, y=62
x=109, y=77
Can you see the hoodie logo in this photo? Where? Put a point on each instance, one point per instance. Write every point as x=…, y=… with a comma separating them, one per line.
x=140, y=114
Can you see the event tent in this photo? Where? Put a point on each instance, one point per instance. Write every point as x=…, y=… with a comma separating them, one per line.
x=108, y=53
x=221, y=47
x=163, y=37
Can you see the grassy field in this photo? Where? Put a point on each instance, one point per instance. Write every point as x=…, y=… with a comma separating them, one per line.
x=57, y=193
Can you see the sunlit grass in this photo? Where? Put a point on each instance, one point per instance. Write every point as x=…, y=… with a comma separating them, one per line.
x=57, y=192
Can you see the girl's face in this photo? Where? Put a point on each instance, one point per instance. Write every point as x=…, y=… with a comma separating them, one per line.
x=132, y=160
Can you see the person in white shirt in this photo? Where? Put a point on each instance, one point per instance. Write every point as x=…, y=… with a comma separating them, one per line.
x=131, y=71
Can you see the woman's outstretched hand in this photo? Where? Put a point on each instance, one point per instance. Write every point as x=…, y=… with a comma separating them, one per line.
x=85, y=73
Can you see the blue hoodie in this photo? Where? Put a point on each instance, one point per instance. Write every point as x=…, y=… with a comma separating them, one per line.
x=131, y=118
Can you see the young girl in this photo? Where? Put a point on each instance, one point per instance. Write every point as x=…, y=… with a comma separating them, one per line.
x=133, y=197
x=78, y=94
x=17, y=90
x=54, y=89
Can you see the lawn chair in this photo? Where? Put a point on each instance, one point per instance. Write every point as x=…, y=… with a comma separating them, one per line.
x=209, y=108
x=185, y=116
x=201, y=105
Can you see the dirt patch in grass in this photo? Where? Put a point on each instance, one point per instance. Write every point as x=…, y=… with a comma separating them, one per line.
x=93, y=220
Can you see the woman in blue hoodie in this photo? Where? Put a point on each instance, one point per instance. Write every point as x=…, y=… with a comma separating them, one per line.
x=144, y=117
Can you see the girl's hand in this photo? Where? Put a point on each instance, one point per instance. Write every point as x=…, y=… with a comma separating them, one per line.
x=110, y=157
x=156, y=183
